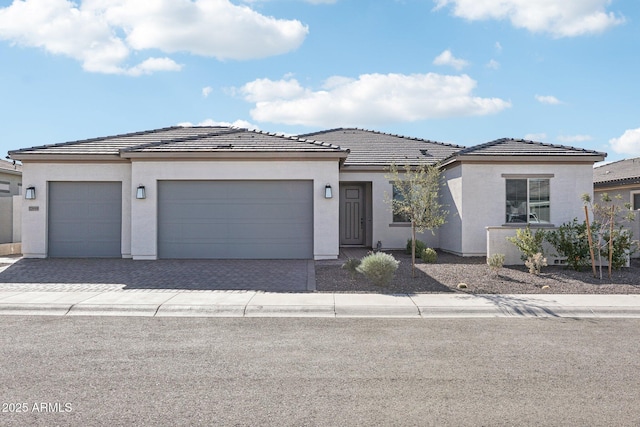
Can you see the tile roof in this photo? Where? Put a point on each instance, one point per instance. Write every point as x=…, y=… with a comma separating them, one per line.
x=522, y=147
x=182, y=139
x=371, y=148
x=624, y=171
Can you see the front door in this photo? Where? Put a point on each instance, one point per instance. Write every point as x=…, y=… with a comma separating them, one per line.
x=352, y=214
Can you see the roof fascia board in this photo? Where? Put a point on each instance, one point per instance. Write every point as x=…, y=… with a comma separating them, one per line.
x=69, y=158
x=519, y=159
x=245, y=155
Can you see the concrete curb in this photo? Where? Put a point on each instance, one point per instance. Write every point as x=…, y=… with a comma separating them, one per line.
x=328, y=305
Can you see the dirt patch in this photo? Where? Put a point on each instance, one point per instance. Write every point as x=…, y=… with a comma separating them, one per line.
x=451, y=270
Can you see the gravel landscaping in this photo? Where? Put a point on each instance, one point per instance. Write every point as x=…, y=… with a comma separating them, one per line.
x=451, y=270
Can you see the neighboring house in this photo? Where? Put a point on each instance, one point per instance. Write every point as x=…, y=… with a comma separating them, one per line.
x=10, y=185
x=621, y=178
x=218, y=192
x=10, y=178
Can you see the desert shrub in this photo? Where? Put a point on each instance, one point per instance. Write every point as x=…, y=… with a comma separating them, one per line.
x=429, y=255
x=378, y=267
x=351, y=265
x=527, y=242
x=495, y=262
x=420, y=246
x=623, y=247
x=535, y=263
x=570, y=240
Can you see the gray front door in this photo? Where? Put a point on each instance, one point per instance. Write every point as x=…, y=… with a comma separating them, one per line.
x=85, y=219
x=235, y=219
x=352, y=214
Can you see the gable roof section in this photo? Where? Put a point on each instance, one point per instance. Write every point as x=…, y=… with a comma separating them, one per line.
x=521, y=150
x=621, y=172
x=180, y=141
x=376, y=149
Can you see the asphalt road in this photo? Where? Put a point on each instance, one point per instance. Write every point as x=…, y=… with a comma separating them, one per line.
x=259, y=372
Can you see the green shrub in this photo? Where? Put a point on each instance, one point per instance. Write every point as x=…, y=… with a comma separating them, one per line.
x=570, y=240
x=379, y=267
x=623, y=247
x=351, y=265
x=495, y=262
x=420, y=246
x=527, y=242
x=429, y=256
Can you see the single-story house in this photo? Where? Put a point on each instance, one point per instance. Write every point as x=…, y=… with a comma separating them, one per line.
x=220, y=192
x=10, y=178
x=621, y=178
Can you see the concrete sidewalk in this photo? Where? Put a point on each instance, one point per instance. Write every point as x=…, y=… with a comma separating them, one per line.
x=170, y=303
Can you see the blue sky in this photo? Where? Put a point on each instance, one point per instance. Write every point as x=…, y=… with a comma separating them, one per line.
x=459, y=71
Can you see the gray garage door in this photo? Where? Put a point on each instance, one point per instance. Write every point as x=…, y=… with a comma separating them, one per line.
x=85, y=219
x=235, y=219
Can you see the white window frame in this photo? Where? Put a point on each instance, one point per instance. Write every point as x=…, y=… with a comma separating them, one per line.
x=631, y=196
x=528, y=177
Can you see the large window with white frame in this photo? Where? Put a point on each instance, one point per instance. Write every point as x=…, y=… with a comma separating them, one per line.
x=528, y=200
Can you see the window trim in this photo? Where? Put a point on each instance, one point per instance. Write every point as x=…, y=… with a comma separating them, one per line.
x=632, y=194
x=395, y=223
x=528, y=177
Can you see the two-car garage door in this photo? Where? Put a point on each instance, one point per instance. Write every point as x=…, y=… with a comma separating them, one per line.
x=235, y=219
x=196, y=219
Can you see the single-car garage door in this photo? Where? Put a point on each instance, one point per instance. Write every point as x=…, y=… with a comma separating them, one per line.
x=85, y=219
x=235, y=219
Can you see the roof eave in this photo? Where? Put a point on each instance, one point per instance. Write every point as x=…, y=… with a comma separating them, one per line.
x=234, y=155
x=525, y=158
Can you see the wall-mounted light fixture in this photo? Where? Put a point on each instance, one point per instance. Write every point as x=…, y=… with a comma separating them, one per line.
x=141, y=192
x=30, y=193
x=328, y=193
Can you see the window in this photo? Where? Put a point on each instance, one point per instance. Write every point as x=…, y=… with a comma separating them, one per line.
x=528, y=200
x=398, y=196
x=635, y=201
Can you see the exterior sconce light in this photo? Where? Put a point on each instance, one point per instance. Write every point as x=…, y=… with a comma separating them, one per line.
x=141, y=192
x=30, y=193
x=328, y=193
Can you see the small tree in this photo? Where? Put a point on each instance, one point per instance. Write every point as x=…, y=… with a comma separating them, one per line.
x=612, y=240
x=418, y=190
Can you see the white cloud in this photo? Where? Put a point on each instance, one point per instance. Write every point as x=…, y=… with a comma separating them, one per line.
x=566, y=18
x=447, y=58
x=493, y=64
x=535, y=137
x=574, y=138
x=628, y=143
x=498, y=47
x=371, y=99
x=210, y=122
x=102, y=34
x=548, y=99
x=206, y=91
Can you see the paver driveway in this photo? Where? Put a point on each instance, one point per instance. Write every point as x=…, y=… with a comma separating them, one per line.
x=66, y=274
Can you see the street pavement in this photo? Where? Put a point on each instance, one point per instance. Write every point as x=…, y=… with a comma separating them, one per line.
x=112, y=299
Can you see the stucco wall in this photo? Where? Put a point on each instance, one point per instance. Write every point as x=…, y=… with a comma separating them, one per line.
x=148, y=173
x=451, y=232
x=484, y=194
x=6, y=219
x=12, y=188
x=34, y=212
x=392, y=236
x=17, y=219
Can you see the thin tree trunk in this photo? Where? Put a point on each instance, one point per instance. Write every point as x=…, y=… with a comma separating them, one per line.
x=413, y=248
x=611, y=239
x=593, y=258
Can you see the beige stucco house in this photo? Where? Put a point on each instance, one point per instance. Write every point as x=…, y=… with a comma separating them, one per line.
x=219, y=192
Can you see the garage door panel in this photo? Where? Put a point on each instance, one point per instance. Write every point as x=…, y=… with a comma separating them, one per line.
x=85, y=219
x=235, y=219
